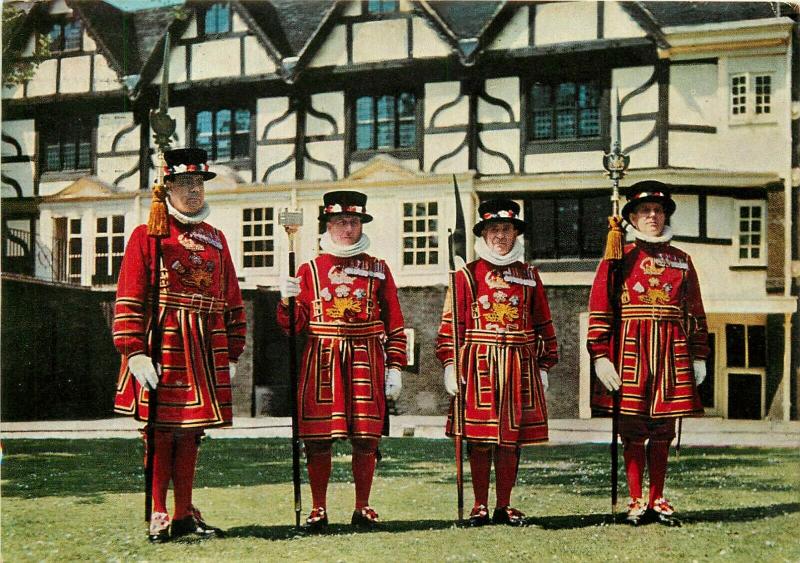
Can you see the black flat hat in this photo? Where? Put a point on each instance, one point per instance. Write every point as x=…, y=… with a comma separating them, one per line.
x=648, y=190
x=186, y=161
x=344, y=202
x=496, y=211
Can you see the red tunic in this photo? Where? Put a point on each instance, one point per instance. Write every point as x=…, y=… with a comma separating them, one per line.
x=508, y=337
x=202, y=325
x=350, y=311
x=661, y=330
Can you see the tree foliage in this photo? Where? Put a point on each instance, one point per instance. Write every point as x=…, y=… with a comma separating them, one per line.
x=17, y=67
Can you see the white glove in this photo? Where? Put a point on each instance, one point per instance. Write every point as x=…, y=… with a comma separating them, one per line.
x=393, y=383
x=607, y=374
x=232, y=370
x=545, y=381
x=141, y=367
x=290, y=287
x=699, y=371
x=450, y=384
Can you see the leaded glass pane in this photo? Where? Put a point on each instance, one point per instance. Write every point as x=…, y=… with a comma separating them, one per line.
x=72, y=35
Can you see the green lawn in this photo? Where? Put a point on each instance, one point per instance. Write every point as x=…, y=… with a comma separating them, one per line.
x=81, y=499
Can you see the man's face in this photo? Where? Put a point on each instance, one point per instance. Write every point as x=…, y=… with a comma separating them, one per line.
x=186, y=193
x=500, y=237
x=649, y=218
x=345, y=229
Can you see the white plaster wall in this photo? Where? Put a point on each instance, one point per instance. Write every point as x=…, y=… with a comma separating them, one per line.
x=109, y=124
x=720, y=217
x=13, y=92
x=331, y=103
x=333, y=51
x=685, y=220
x=237, y=23
x=269, y=155
x=564, y=22
x=565, y=162
x=352, y=9
x=643, y=157
x=43, y=82
x=215, y=58
x=24, y=132
x=22, y=172
x=505, y=141
x=617, y=24
x=717, y=281
x=409, y=164
x=105, y=78
x=50, y=188
x=693, y=95
x=443, y=143
x=515, y=33
x=426, y=42
x=438, y=94
x=75, y=74
x=270, y=109
x=177, y=66
x=331, y=152
x=59, y=7
x=506, y=89
x=111, y=168
x=191, y=28
x=379, y=41
x=88, y=43
x=256, y=59
x=626, y=80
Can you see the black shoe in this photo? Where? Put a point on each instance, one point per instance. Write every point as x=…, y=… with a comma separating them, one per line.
x=479, y=516
x=159, y=528
x=194, y=524
x=365, y=518
x=663, y=513
x=508, y=516
x=317, y=521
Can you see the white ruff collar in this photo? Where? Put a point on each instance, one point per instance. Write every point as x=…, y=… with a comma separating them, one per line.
x=516, y=254
x=343, y=251
x=666, y=235
x=195, y=219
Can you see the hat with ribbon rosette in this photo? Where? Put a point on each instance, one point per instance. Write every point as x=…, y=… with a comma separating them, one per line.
x=498, y=210
x=344, y=202
x=186, y=161
x=648, y=191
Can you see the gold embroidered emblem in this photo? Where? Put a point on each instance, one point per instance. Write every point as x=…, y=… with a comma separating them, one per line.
x=342, y=306
x=500, y=312
x=625, y=298
x=656, y=297
x=654, y=282
x=650, y=267
x=494, y=280
x=189, y=244
x=197, y=277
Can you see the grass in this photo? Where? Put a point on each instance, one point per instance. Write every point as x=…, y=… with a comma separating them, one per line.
x=65, y=500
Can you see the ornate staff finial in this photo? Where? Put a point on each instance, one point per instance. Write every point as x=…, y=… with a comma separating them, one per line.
x=163, y=128
x=615, y=163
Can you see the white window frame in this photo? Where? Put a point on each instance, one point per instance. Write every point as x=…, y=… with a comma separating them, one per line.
x=726, y=370
x=254, y=270
x=109, y=234
x=762, y=259
x=76, y=279
x=750, y=115
x=441, y=249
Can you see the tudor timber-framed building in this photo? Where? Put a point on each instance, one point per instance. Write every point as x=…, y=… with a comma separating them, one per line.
x=393, y=98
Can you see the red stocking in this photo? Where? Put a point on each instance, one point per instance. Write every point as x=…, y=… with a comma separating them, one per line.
x=634, y=455
x=318, y=463
x=363, y=468
x=480, y=465
x=657, y=454
x=506, y=462
x=162, y=469
x=186, y=446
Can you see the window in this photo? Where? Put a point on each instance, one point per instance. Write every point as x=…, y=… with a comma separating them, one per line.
x=223, y=133
x=74, y=251
x=217, y=19
x=382, y=6
x=386, y=122
x=258, y=237
x=109, y=247
x=421, y=234
x=565, y=110
x=751, y=97
x=66, y=36
x=67, y=146
x=566, y=227
x=751, y=225
x=746, y=353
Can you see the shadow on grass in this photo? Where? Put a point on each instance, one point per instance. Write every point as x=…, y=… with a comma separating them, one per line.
x=725, y=515
x=289, y=532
